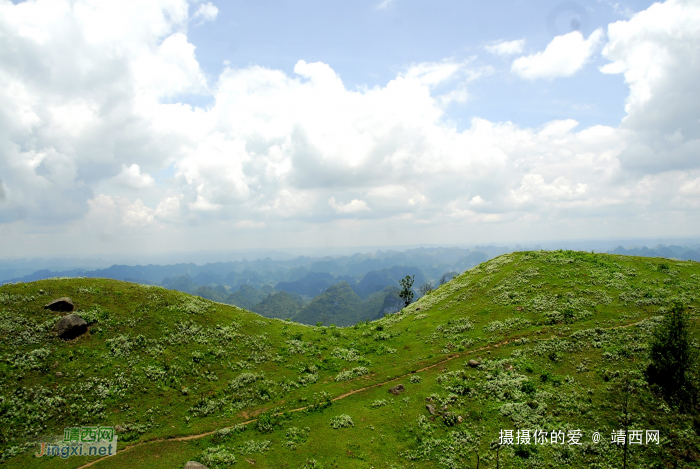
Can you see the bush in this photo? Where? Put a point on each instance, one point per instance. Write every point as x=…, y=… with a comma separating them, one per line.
x=673, y=359
x=528, y=387
x=342, y=421
x=266, y=422
x=350, y=374
x=218, y=457
x=406, y=293
x=449, y=419
x=379, y=403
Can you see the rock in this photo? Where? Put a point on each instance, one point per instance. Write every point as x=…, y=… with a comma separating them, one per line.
x=59, y=374
x=396, y=390
x=444, y=407
x=194, y=465
x=459, y=418
x=430, y=408
x=428, y=399
x=119, y=429
x=509, y=367
x=473, y=363
x=64, y=305
x=71, y=326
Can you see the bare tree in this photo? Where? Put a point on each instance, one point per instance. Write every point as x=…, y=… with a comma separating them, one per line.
x=425, y=288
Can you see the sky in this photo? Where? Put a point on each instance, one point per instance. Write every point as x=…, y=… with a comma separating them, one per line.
x=171, y=125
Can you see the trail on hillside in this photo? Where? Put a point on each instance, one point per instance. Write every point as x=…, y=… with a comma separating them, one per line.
x=342, y=396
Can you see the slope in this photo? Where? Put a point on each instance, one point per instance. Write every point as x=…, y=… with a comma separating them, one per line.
x=554, y=333
x=338, y=305
x=279, y=305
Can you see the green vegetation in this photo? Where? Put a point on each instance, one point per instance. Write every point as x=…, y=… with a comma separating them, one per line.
x=673, y=359
x=279, y=305
x=406, y=293
x=248, y=297
x=341, y=306
x=553, y=341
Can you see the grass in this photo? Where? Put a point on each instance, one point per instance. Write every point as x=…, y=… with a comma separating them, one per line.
x=553, y=331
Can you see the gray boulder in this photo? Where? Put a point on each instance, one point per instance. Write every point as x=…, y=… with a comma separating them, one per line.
x=396, y=390
x=71, y=326
x=194, y=465
x=473, y=363
x=430, y=408
x=63, y=305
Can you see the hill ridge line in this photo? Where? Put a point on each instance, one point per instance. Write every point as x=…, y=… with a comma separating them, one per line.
x=341, y=396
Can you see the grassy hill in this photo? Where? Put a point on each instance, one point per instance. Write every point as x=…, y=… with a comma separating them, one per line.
x=184, y=378
x=279, y=305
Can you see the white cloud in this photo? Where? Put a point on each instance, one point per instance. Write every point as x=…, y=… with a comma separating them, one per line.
x=562, y=57
x=206, y=12
x=434, y=74
x=506, y=47
x=275, y=146
x=476, y=201
x=384, y=4
x=690, y=187
x=168, y=209
x=656, y=51
x=353, y=206
x=534, y=189
x=110, y=214
x=250, y=224
x=137, y=214
x=133, y=178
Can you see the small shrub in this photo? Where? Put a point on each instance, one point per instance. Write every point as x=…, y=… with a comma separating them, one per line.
x=350, y=374
x=296, y=436
x=266, y=422
x=379, y=403
x=255, y=446
x=218, y=457
x=528, y=387
x=449, y=419
x=415, y=379
x=342, y=421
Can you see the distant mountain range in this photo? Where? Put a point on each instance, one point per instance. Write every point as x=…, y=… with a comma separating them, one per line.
x=331, y=290
x=670, y=252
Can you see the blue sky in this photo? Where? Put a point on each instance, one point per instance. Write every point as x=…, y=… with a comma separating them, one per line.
x=176, y=125
x=368, y=45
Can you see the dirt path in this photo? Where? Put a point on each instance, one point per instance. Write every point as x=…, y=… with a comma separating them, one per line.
x=347, y=394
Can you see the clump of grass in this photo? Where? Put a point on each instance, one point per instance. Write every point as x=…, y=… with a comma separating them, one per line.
x=350, y=374
x=342, y=421
x=255, y=446
x=379, y=403
x=218, y=457
x=296, y=436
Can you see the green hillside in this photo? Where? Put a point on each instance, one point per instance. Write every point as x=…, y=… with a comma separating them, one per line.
x=247, y=297
x=558, y=337
x=338, y=305
x=279, y=305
